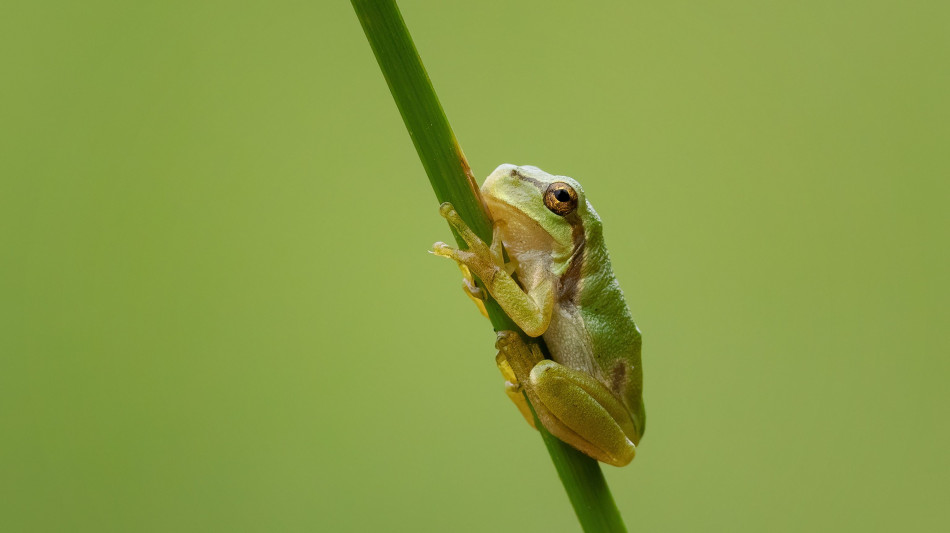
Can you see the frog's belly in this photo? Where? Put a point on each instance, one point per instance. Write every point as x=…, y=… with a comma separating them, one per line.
x=569, y=341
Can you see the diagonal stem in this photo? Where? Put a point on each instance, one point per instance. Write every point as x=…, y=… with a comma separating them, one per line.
x=452, y=181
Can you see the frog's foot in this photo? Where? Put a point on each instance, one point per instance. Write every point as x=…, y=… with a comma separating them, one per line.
x=473, y=291
x=572, y=405
x=479, y=256
x=513, y=389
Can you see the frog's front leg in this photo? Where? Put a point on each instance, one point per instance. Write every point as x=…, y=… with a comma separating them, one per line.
x=531, y=311
x=572, y=405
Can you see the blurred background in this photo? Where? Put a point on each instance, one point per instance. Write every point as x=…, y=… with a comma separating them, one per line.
x=217, y=312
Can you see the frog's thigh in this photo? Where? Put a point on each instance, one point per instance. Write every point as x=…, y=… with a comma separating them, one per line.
x=583, y=413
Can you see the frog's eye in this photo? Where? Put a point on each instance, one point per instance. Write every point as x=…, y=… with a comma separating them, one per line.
x=560, y=198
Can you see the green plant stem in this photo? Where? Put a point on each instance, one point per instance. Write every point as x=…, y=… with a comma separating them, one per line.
x=452, y=181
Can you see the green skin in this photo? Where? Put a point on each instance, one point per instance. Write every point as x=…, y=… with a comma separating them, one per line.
x=590, y=394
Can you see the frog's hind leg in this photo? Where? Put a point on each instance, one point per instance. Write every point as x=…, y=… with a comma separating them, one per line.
x=572, y=405
x=583, y=413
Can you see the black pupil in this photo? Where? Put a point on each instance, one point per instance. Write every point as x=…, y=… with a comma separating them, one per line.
x=562, y=195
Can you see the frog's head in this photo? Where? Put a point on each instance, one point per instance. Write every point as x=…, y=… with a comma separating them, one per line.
x=539, y=212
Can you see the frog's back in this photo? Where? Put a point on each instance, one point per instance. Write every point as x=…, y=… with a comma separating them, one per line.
x=601, y=311
x=615, y=337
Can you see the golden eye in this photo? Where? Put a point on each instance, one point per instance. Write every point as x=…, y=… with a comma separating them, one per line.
x=560, y=198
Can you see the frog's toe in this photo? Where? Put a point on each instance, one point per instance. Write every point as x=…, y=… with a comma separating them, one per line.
x=446, y=209
x=443, y=250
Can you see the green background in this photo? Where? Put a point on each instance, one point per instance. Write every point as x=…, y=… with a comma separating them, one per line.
x=217, y=312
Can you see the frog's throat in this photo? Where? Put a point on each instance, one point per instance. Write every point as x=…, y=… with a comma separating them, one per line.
x=567, y=263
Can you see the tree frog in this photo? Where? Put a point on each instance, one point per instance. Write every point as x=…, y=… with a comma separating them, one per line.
x=558, y=284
